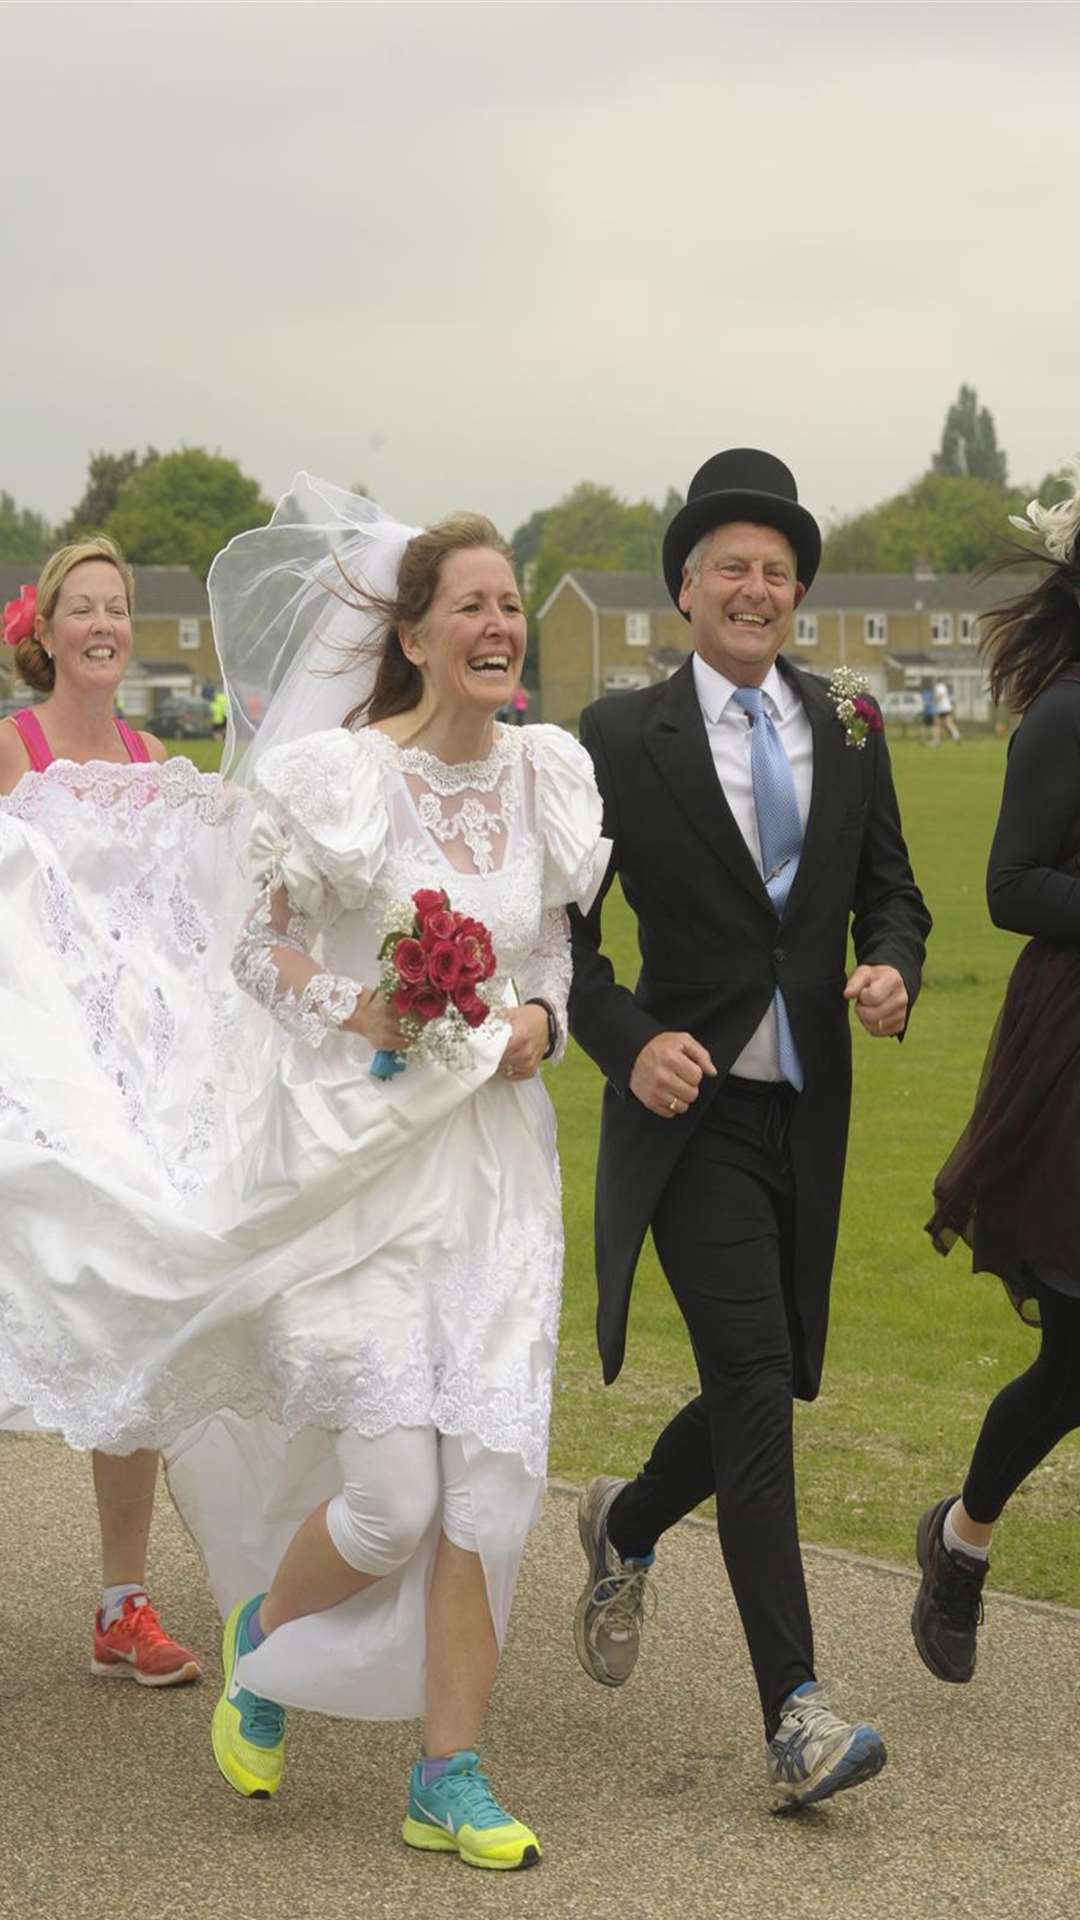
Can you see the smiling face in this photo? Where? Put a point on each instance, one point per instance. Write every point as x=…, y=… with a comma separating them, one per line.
x=742, y=602
x=470, y=646
x=89, y=633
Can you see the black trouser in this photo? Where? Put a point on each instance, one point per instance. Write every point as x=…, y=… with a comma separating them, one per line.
x=1031, y=1414
x=722, y=1232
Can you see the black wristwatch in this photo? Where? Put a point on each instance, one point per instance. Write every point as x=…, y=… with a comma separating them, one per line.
x=553, y=1025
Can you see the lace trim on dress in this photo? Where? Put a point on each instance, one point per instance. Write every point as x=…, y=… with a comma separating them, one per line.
x=123, y=789
x=449, y=779
x=548, y=972
x=476, y=820
x=302, y=1383
x=327, y=1000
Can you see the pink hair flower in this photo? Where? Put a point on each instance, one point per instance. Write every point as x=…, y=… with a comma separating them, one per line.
x=19, y=616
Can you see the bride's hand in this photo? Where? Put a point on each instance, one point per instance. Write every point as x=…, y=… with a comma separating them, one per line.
x=528, y=1039
x=375, y=1019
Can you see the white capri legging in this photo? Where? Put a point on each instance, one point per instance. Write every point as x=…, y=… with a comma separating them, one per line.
x=393, y=1487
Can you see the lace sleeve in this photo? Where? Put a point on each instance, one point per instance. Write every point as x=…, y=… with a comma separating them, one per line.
x=546, y=974
x=274, y=964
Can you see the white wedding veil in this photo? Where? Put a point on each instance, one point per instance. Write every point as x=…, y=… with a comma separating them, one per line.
x=297, y=654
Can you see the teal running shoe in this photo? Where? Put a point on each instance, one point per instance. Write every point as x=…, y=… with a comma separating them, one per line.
x=458, y=1813
x=248, y=1733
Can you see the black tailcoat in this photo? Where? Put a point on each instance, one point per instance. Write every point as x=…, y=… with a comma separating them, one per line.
x=713, y=953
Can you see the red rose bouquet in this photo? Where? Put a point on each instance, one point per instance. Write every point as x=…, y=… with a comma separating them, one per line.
x=434, y=963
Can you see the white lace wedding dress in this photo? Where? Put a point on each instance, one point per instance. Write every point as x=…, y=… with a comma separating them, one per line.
x=367, y=1253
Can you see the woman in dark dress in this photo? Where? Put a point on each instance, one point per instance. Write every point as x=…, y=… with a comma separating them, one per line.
x=1010, y=1188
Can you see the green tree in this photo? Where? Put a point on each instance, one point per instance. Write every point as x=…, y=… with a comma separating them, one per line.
x=183, y=507
x=969, y=448
x=106, y=477
x=955, y=524
x=26, y=538
x=527, y=539
x=593, y=527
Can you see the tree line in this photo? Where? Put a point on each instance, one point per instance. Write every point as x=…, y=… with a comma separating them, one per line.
x=177, y=509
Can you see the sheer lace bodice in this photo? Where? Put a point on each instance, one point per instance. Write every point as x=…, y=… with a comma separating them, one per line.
x=353, y=824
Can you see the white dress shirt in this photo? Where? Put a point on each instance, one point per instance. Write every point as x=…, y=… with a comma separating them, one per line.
x=729, y=729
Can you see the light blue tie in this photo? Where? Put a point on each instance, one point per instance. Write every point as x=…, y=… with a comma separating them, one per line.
x=780, y=837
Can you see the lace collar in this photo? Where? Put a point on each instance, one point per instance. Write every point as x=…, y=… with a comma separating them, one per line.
x=465, y=776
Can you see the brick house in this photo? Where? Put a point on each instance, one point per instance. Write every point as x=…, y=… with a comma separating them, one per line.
x=174, y=647
x=607, y=632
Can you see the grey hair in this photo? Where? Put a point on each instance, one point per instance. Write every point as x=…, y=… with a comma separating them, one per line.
x=695, y=558
x=696, y=555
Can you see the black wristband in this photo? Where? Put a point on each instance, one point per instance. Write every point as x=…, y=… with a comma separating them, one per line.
x=553, y=1025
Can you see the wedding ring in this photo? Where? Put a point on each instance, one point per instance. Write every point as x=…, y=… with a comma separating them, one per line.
x=673, y=1105
x=509, y=1072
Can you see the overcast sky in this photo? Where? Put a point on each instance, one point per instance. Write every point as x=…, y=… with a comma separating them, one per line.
x=471, y=255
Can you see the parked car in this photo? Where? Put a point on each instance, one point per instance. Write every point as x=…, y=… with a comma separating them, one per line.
x=904, y=706
x=183, y=717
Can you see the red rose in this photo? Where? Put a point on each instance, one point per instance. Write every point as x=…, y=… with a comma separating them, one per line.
x=403, y=998
x=410, y=962
x=869, y=714
x=444, y=964
x=427, y=901
x=429, y=1004
x=437, y=926
x=472, y=1009
x=472, y=957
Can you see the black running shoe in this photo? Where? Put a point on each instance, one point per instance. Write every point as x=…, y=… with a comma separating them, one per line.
x=948, y=1607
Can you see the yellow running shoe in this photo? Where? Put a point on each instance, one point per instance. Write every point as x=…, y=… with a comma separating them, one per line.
x=458, y=1813
x=248, y=1733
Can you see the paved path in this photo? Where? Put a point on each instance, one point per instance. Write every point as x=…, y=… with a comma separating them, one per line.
x=649, y=1803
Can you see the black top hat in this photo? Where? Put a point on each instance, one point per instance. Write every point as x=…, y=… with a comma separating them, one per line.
x=741, y=484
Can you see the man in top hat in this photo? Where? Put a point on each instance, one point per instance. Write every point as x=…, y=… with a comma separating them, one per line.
x=752, y=826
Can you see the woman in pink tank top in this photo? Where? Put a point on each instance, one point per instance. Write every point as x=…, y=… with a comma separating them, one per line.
x=72, y=643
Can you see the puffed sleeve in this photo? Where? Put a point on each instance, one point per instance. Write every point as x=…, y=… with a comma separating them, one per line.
x=321, y=825
x=317, y=842
x=569, y=816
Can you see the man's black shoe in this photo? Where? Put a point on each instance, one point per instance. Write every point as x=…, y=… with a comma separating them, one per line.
x=948, y=1607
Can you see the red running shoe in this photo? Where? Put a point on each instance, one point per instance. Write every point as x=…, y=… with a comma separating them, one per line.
x=136, y=1647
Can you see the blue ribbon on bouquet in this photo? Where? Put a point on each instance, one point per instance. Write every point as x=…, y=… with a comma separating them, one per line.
x=386, y=1064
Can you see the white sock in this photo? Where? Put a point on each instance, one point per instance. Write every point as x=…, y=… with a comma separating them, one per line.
x=953, y=1541
x=112, y=1601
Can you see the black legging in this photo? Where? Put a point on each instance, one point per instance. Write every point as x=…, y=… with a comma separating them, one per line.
x=1031, y=1414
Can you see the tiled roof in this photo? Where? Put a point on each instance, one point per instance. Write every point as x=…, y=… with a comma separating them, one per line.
x=160, y=592
x=848, y=592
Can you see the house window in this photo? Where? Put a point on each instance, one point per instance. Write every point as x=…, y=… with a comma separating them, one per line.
x=876, y=630
x=637, y=629
x=968, y=629
x=189, y=635
x=806, y=629
x=624, y=680
x=941, y=629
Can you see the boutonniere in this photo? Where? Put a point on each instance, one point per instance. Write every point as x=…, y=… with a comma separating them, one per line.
x=856, y=713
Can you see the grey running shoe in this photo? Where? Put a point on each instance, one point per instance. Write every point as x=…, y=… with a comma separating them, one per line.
x=813, y=1753
x=948, y=1607
x=607, y=1624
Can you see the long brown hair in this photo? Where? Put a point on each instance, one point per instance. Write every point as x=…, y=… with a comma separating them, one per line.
x=1027, y=640
x=398, y=684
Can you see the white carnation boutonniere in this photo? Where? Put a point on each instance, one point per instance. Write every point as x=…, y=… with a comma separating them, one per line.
x=856, y=712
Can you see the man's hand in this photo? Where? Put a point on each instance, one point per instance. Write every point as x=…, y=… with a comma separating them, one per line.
x=668, y=1072
x=881, y=1000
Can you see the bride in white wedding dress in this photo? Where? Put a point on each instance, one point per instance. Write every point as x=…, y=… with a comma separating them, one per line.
x=345, y=1343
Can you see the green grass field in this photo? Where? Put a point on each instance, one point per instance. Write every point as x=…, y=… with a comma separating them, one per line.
x=917, y=1346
